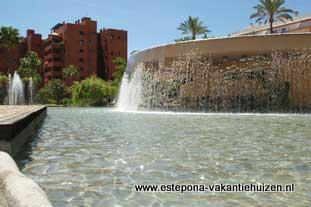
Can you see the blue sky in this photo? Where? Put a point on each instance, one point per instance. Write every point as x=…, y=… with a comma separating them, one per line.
x=149, y=23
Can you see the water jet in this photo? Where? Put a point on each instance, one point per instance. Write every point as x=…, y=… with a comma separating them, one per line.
x=16, y=90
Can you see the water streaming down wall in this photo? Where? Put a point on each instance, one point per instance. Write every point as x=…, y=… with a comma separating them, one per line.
x=272, y=74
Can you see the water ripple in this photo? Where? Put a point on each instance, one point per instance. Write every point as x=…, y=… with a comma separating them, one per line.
x=94, y=156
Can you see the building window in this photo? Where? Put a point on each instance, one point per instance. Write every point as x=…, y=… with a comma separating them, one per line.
x=81, y=50
x=81, y=33
x=111, y=36
x=111, y=53
x=119, y=53
x=119, y=37
x=81, y=42
x=81, y=60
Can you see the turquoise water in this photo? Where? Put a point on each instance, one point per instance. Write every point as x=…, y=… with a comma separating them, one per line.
x=95, y=156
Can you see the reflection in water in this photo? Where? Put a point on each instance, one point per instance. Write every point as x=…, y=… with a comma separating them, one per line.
x=94, y=156
x=25, y=152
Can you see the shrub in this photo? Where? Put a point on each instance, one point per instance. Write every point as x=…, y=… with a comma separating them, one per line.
x=92, y=92
x=52, y=93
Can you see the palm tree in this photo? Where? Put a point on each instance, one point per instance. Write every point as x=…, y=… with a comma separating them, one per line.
x=271, y=11
x=193, y=26
x=9, y=37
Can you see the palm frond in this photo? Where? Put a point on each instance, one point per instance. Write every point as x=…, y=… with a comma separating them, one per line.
x=193, y=26
x=271, y=11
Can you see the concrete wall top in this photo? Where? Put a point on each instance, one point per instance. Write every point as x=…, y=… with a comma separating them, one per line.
x=229, y=46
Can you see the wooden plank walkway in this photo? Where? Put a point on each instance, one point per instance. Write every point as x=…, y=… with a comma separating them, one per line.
x=11, y=114
x=17, y=124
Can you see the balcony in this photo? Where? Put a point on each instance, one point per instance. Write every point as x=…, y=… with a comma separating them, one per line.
x=54, y=45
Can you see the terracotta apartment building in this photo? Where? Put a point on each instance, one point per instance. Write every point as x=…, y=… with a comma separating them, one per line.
x=9, y=57
x=77, y=44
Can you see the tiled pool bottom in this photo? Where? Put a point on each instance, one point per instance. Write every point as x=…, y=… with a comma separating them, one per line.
x=95, y=156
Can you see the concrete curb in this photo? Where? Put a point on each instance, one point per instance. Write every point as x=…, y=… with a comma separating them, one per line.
x=17, y=189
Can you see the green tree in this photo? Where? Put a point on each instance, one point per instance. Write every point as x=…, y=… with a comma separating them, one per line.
x=120, y=64
x=271, y=11
x=29, y=67
x=3, y=80
x=9, y=37
x=92, y=91
x=70, y=71
x=3, y=89
x=193, y=26
x=53, y=92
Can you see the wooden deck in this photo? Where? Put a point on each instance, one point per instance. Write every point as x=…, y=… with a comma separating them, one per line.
x=11, y=114
x=17, y=124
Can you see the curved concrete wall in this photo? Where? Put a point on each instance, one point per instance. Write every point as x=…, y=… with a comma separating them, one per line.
x=230, y=72
x=16, y=189
x=231, y=46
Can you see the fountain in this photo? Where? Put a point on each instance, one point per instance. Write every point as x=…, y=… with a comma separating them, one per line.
x=216, y=76
x=130, y=92
x=16, y=90
x=30, y=91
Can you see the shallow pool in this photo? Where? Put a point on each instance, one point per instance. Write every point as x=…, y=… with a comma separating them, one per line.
x=95, y=156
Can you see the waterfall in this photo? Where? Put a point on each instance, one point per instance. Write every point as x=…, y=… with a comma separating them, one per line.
x=130, y=91
x=193, y=82
x=16, y=90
